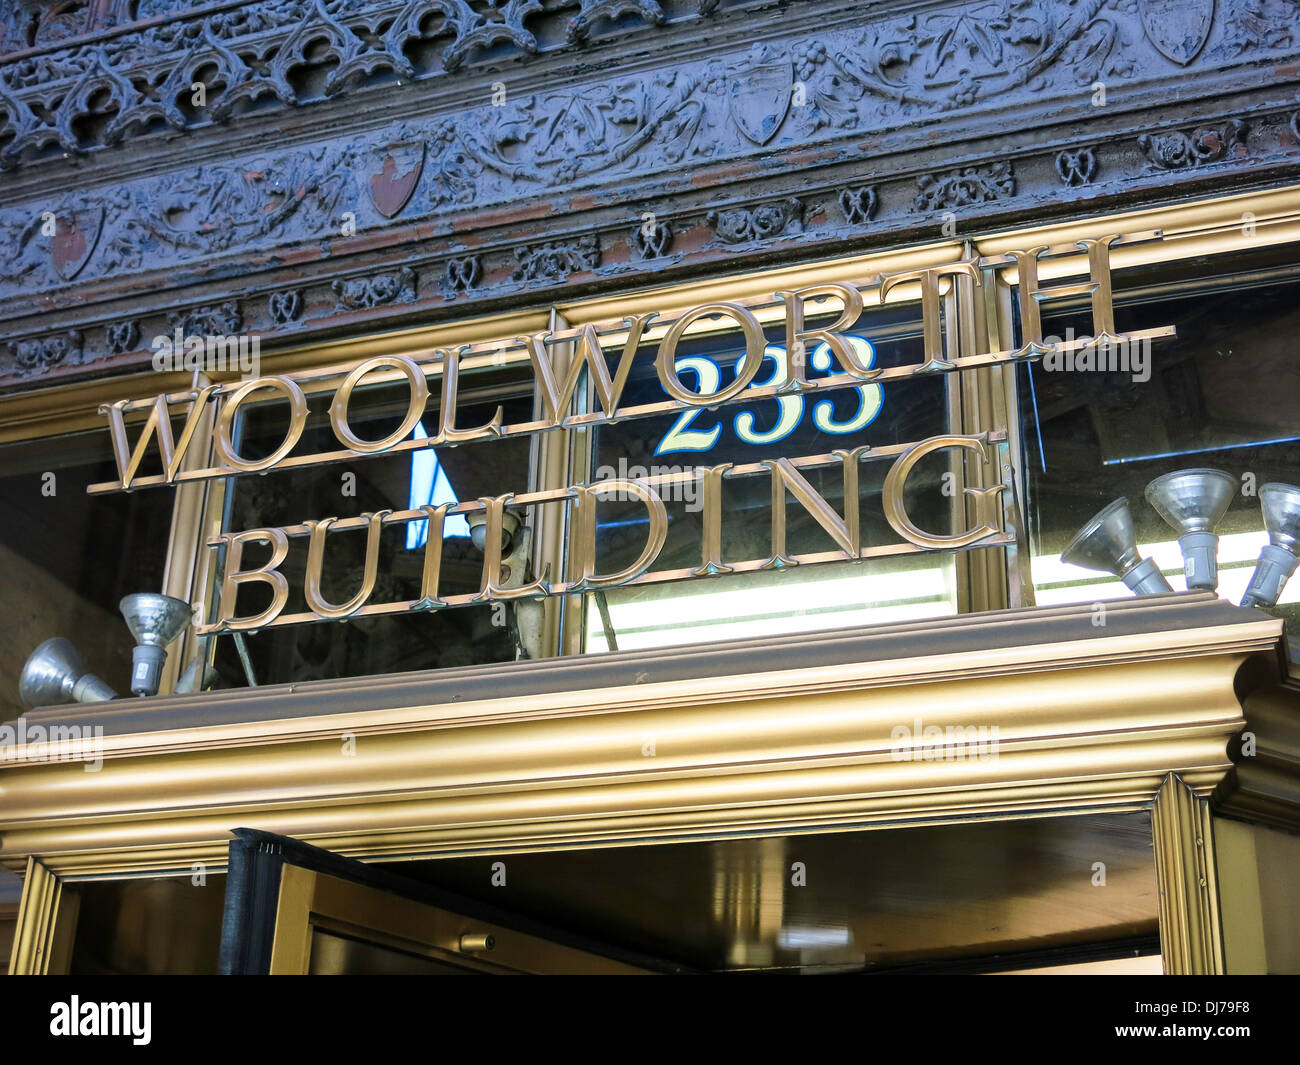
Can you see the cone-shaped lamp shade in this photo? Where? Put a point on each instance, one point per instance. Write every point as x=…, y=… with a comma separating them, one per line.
x=154, y=620
x=1106, y=543
x=54, y=675
x=1281, y=506
x=1193, y=502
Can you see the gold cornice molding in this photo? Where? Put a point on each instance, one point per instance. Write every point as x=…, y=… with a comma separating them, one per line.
x=373, y=707
x=1206, y=225
x=731, y=690
x=1264, y=785
x=1081, y=725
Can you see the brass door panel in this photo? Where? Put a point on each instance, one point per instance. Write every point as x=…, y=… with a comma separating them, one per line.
x=326, y=925
x=293, y=909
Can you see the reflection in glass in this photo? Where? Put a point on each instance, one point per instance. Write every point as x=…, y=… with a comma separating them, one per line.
x=430, y=486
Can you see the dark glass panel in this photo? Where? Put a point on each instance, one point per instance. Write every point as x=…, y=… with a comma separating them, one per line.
x=801, y=598
x=398, y=481
x=1224, y=394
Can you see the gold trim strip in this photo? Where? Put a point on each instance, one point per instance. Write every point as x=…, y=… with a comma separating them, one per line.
x=1211, y=225
x=1191, y=935
x=47, y=918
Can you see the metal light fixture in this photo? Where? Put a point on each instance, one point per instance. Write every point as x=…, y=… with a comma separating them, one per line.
x=516, y=549
x=196, y=679
x=1277, y=561
x=1106, y=543
x=154, y=620
x=1193, y=502
x=54, y=675
x=477, y=520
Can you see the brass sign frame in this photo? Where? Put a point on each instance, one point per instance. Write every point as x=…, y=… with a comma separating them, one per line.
x=565, y=360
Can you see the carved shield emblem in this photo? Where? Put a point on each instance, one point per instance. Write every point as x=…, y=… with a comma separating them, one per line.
x=75, y=235
x=399, y=168
x=759, y=95
x=1178, y=28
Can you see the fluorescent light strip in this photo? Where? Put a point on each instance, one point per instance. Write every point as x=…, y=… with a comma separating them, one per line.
x=840, y=592
x=721, y=613
x=914, y=594
x=674, y=632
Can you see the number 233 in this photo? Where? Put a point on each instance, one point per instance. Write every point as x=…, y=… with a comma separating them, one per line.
x=790, y=409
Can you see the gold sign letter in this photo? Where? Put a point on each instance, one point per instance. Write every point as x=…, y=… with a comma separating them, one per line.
x=225, y=442
x=1032, y=297
x=710, y=489
x=583, y=545
x=896, y=482
x=785, y=475
x=800, y=342
x=419, y=387
x=268, y=573
x=490, y=587
x=931, y=308
x=586, y=349
x=429, y=597
x=159, y=422
x=447, y=431
x=316, y=563
x=755, y=345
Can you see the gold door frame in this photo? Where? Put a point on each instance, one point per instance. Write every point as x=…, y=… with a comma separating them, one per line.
x=1103, y=723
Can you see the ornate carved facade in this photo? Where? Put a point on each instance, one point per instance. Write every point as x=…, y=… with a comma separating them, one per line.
x=403, y=158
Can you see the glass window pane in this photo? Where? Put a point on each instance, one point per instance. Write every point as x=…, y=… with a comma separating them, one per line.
x=775, y=600
x=468, y=635
x=68, y=558
x=1224, y=394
